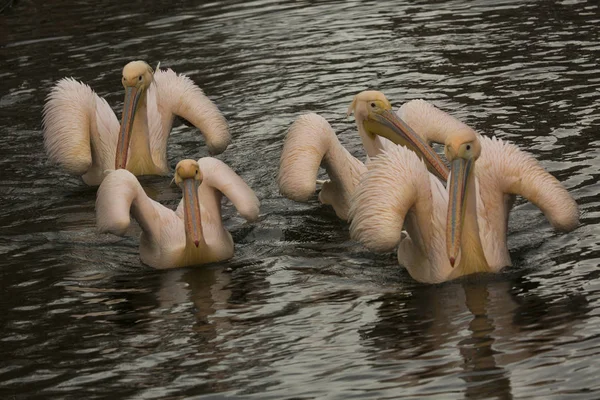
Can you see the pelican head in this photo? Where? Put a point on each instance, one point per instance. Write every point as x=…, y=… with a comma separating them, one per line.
x=373, y=110
x=462, y=150
x=188, y=177
x=364, y=102
x=137, y=77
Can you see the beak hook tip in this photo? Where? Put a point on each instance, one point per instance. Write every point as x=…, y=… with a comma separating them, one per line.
x=197, y=243
x=452, y=260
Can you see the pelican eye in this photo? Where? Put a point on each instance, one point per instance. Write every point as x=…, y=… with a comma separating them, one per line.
x=372, y=105
x=196, y=172
x=140, y=78
x=468, y=147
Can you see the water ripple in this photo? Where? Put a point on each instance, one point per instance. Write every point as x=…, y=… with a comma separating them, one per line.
x=300, y=311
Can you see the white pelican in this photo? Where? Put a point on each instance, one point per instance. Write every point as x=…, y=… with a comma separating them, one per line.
x=82, y=134
x=311, y=142
x=461, y=230
x=194, y=233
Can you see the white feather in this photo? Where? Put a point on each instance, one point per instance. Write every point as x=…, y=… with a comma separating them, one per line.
x=176, y=94
x=80, y=130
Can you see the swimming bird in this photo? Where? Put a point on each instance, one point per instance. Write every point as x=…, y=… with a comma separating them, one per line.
x=82, y=134
x=462, y=229
x=311, y=142
x=191, y=235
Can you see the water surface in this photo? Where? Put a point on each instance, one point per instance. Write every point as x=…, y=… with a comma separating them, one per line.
x=300, y=312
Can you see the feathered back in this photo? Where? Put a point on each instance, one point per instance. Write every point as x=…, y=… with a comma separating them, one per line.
x=387, y=191
x=179, y=95
x=306, y=143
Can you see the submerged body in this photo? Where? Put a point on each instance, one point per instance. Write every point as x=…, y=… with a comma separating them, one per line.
x=191, y=235
x=311, y=143
x=83, y=135
x=463, y=229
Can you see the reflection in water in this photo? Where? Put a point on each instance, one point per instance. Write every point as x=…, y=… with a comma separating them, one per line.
x=205, y=287
x=300, y=311
x=480, y=366
x=483, y=320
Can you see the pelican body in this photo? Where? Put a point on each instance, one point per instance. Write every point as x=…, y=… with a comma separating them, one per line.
x=462, y=229
x=311, y=143
x=191, y=235
x=83, y=135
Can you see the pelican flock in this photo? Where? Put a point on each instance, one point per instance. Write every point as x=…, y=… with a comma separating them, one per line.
x=83, y=135
x=461, y=229
x=455, y=219
x=191, y=235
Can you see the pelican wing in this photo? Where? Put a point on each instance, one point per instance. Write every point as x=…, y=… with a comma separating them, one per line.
x=396, y=182
x=74, y=117
x=173, y=94
x=218, y=175
x=120, y=195
x=310, y=143
x=515, y=172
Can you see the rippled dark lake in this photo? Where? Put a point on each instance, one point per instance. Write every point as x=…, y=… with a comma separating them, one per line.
x=301, y=311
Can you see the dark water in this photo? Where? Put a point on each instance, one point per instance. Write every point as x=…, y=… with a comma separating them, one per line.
x=300, y=312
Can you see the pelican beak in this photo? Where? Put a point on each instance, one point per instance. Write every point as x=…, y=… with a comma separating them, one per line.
x=132, y=98
x=191, y=211
x=457, y=189
x=387, y=124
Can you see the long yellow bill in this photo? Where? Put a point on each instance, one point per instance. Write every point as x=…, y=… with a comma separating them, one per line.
x=132, y=97
x=388, y=125
x=457, y=191
x=191, y=211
